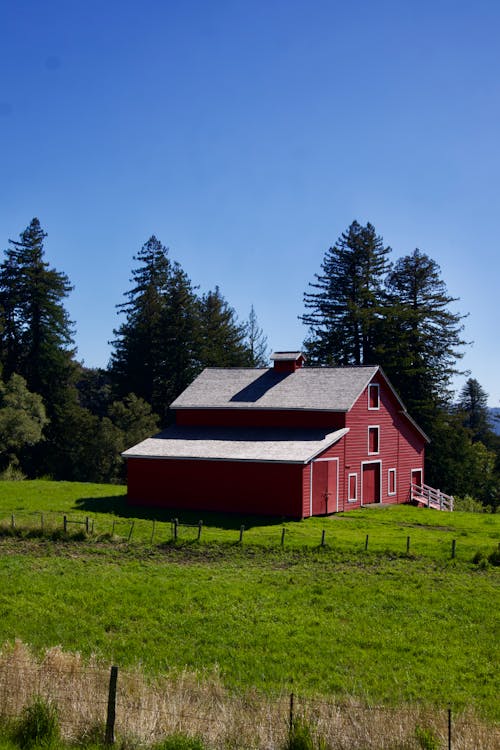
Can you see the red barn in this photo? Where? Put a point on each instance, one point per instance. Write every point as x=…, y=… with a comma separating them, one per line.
x=288, y=440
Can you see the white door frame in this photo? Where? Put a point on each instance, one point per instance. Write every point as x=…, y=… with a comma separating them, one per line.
x=311, y=483
x=364, y=463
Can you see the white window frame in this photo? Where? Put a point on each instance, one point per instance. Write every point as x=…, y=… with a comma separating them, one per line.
x=377, y=386
x=373, y=427
x=355, y=498
x=393, y=472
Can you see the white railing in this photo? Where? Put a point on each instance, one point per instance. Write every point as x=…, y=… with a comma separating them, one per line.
x=432, y=498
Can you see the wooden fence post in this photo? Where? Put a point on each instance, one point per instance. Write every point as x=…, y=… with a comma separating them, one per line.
x=323, y=538
x=283, y=536
x=12, y=521
x=65, y=524
x=200, y=525
x=87, y=524
x=453, y=548
x=366, y=542
x=242, y=529
x=130, y=532
x=113, y=529
x=111, y=715
x=407, y=545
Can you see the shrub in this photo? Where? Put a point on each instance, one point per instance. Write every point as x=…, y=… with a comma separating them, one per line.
x=180, y=741
x=303, y=737
x=38, y=725
x=470, y=505
x=426, y=738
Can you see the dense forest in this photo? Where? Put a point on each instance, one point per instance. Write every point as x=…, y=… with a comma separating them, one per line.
x=61, y=419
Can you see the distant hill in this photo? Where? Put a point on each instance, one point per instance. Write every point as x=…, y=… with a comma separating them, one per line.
x=495, y=419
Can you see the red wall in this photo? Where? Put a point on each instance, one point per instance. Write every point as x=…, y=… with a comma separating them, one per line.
x=401, y=447
x=259, y=418
x=282, y=489
x=234, y=486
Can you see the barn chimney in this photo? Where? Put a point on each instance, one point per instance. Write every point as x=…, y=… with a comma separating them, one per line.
x=287, y=361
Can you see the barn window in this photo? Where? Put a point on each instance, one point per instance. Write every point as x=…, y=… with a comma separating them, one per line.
x=373, y=439
x=352, y=485
x=391, y=482
x=374, y=396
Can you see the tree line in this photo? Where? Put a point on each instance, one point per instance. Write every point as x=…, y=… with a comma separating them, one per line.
x=68, y=421
x=61, y=419
x=363, y=309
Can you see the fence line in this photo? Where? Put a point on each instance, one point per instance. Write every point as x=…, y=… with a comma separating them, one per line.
x=183, y=702
x=48, y=523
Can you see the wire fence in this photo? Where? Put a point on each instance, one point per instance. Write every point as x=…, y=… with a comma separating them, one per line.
x=158, y=533
x=118, y=703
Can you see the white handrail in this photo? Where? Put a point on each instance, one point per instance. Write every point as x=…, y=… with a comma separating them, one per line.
x=431, y=497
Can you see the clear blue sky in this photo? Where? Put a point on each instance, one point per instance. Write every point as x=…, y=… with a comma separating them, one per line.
x=247, y=136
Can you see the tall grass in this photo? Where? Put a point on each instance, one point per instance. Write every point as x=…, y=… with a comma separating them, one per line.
x=189, y=705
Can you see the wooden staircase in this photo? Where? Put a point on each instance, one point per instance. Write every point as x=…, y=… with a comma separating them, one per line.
x=423, y=495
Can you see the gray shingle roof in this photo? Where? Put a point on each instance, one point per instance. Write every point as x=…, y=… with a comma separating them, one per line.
x=309, y=388
x=236, y=444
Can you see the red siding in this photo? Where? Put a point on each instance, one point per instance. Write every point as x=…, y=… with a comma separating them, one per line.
x=230, y=486
x=401, y=446
x=285, y=489
x=259, y=418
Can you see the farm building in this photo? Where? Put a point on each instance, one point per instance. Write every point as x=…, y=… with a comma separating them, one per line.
x=287, y=440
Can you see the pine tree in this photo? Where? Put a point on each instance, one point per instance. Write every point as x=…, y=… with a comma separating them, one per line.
x=421, y=337
x=222, y=336
x=348, y=300
x=155, y=349
x=473, y=407
x=37, y=336
x=256, y=341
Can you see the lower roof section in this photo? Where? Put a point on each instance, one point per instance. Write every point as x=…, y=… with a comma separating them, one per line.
x=237, y=444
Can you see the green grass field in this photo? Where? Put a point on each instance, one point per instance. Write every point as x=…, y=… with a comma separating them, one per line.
x=378, y=624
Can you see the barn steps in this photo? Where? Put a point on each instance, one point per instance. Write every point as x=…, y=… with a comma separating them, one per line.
x=423, y=495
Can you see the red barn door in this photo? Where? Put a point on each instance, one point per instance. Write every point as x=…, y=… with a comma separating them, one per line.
x=324, y=487
x=371, y=483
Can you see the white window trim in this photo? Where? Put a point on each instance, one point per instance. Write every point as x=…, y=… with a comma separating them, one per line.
x=373, y=427
x=355, y=498
x=389, y=472
x=377, y=386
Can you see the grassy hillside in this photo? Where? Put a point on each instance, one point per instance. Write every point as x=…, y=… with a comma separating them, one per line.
x=378, y=624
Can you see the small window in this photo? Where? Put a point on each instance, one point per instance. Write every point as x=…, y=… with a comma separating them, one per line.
x=374, y=396
x=391, y=482
x=352, y=482
x=373, y=440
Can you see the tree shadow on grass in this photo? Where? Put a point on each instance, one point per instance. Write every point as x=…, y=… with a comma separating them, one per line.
x=117, y=505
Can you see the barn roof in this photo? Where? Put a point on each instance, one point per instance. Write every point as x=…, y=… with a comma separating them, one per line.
x=237, y=444
x=308, y=388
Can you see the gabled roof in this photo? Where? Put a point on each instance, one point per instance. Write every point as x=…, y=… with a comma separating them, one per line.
x=237, y=444
x=309, y=388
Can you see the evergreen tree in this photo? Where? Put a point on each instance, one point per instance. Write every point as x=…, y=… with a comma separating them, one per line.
x=36, y=330
x=256, y=342
x=155, y=349
x=420, y=337
x=473, y=408
x=222, y=336
x=348, y=301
